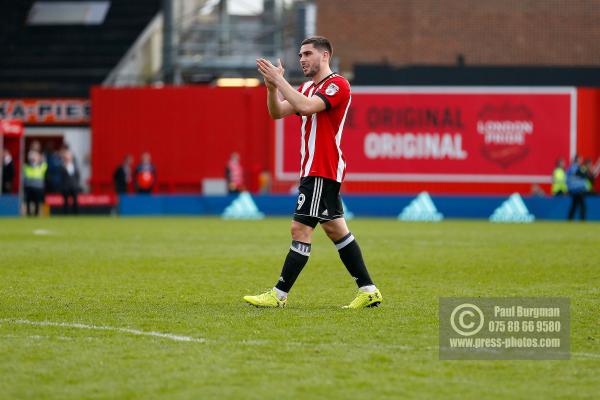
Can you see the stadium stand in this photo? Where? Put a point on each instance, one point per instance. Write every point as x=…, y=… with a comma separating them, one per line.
x=64, y=60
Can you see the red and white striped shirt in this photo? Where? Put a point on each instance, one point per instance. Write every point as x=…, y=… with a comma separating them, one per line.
x=322, y=132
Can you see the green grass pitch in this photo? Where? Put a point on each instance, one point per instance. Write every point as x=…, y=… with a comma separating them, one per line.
x=128, y=277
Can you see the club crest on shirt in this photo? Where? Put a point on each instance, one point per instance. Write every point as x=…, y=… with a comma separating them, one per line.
x=332, y=89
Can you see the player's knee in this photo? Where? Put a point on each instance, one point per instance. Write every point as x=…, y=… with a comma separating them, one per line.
x=334, y=234
x=329, y=230
x=300, y=232
x=335, y=230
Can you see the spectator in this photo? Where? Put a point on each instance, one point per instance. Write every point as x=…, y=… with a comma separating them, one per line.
x=264, y=182
x=145, y=175
x=122, y=175
x=596, y=172
x=8, y=171
x=576, y=184
x=36, y=146
x=559, y=179
x=70, y=182
x=234, y=173
x=54, y=174
x=590, y=175
x=34, y=172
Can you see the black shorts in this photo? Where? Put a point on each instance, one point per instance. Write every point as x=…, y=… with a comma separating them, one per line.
x=318, y=201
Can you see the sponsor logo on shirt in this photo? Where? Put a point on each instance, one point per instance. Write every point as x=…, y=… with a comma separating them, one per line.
x=332, y=89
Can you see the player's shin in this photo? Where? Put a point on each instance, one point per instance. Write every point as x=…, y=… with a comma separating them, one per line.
x=352, y=258
x=294, y=263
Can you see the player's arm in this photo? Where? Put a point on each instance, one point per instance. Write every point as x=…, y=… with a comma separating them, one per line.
x=277, y=108
x=300, y=103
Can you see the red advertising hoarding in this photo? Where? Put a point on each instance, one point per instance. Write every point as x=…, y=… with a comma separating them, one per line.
x=73, y=111
x=479, y=134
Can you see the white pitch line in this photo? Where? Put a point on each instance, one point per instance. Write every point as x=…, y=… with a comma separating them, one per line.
x=42, y=232
x=179, y=338
x=170, y=336
x=587, y=355
x=40, y=337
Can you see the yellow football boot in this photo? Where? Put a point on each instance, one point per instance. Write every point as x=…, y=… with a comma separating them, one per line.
x=365, y=299
x=266, y=299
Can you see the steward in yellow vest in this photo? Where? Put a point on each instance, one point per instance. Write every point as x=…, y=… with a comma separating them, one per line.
x=559, y=179
x=35, y=173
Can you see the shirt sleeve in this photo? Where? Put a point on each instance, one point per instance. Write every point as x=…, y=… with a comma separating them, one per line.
x=300, y=91
x=334, y=92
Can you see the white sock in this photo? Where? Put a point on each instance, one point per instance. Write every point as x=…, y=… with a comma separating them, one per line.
x=280, y=294
x=368, y=288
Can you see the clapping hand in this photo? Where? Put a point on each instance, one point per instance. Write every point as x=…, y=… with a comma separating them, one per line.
x=270, y=72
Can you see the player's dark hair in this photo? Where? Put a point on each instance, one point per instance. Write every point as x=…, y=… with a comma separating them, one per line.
x=319, y=42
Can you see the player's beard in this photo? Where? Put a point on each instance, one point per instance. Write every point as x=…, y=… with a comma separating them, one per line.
x=312, y=71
